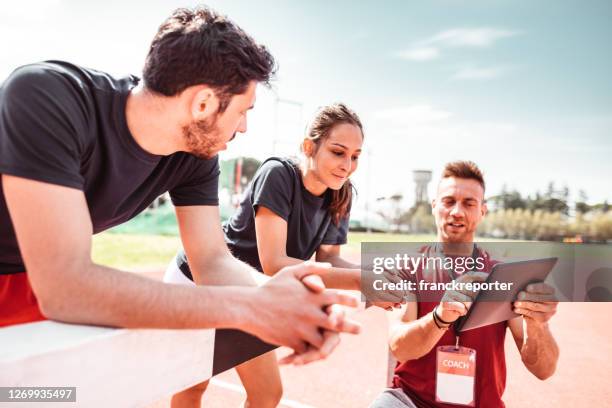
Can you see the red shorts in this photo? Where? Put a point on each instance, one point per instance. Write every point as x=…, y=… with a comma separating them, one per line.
x=17, y=301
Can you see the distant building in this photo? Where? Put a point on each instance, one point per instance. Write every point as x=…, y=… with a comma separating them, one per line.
x=421, y=179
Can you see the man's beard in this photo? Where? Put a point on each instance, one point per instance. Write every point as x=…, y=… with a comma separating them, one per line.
x=203, y=137
x=462, y=237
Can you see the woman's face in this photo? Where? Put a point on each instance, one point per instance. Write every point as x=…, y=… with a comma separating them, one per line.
x=336, y=157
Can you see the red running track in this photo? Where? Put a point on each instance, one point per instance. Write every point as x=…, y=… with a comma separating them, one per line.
x=355, y=373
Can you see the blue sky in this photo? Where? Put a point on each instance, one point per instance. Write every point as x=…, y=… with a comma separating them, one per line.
x=522, y=88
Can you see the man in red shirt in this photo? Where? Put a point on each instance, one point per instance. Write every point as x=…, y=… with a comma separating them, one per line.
x=418, y=329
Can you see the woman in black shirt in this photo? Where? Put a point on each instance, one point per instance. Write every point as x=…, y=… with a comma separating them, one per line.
x=293, y=210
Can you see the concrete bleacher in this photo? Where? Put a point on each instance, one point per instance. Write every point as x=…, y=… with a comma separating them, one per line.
x=118, y=367
x=108, y=367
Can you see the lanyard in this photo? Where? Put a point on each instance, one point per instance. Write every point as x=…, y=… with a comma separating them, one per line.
x=456, y=340
x=452, y=276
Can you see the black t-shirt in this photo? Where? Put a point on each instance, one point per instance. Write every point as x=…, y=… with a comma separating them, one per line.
x=277, y=185
x=66, y=125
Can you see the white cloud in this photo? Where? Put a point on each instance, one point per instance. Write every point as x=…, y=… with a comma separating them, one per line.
x=431, y=48
x=419, y=53
x=473, y=73
x=470, y=37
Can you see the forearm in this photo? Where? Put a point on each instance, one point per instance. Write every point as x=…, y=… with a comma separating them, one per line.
x=342, y=278
x=412, y=340
x=339, y=262
x=343, y=275
x=224, y=270
x=109, y=297
x=337, y=278
x=539, y=352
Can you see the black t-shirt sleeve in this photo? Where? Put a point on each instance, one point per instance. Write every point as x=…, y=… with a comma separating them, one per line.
x=272, y=188
x=202, y=187
x=43, y=127
x=337, y=234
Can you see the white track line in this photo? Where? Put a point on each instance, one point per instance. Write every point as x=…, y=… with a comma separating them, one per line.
x=237, y=388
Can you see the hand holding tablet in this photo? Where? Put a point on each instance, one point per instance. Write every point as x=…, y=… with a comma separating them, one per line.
x=527, y=282
x=537, y=302
x=456, y=303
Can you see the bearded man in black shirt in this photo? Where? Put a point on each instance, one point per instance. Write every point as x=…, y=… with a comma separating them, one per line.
x=81, y=152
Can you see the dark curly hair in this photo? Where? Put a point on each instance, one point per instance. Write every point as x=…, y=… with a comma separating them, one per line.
x=199, y=46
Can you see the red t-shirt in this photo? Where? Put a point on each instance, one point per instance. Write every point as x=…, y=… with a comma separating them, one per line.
x=418, y=377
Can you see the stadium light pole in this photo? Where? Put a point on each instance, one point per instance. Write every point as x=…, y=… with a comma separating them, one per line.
x=277, y=101
x=366, y=220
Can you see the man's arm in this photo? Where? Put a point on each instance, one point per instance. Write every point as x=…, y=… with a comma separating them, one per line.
x=209, y=258
x=271, y=231
x=54, y=231
x=411, y=338
x=533, y=338
x=212, y=264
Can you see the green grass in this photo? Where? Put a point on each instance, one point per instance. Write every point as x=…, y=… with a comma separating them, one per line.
x=142, y=252
x=132, y=251
x=356, y=238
